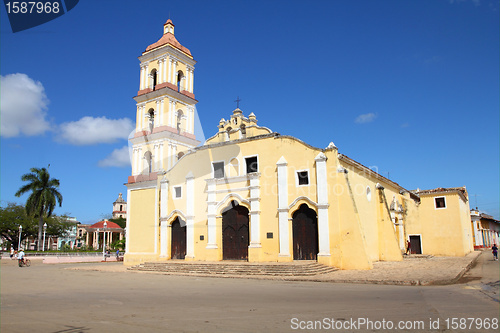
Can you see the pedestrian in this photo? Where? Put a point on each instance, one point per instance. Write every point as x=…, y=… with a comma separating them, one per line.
x=494, y=250
x=117, y=254
x=11, y=252
x=408, y=246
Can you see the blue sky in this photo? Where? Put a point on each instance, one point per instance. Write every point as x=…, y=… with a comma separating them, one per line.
x=410, y=88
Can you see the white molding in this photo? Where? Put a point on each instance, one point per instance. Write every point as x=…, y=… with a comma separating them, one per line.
x=225, y=201
x=172, y=214
x=302, y=197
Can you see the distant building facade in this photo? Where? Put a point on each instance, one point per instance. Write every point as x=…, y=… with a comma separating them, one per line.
x=120, y=208
x=486, y=229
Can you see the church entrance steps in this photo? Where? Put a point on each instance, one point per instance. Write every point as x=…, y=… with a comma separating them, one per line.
x=235, y=268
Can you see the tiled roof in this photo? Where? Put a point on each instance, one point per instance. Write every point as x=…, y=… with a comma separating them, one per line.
x=110, y=225
x=168, y=38
x=441, y=190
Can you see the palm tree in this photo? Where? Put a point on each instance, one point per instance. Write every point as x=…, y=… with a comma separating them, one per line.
x=43, y=197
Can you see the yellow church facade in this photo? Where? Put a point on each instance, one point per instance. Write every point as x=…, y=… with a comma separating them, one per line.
x=249, y=193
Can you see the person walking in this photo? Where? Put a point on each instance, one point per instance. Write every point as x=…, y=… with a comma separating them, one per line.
x=494, y=250
x=408, y=247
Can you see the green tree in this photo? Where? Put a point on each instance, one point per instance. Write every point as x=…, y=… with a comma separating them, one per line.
x=13, y=216
x=43, y=198
x=120, y=221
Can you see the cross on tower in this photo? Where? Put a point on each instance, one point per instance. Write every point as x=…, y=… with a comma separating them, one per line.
x=238, y=100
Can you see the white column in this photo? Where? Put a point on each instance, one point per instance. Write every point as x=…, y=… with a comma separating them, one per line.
x=163, y=216
x=165, y=65
x=188, y=120
x=170, y=61
x=255, y=210
x=284, y=232
x=190, y=215
x=211, y=225
x=161, y=156
x=161, y=114
x=155, y=159
x=322, y=189
x=145, y=82
x=127, y=228
x=171, y=107
x=141, y=84
x=192, y=81
x=141, y=158
x=174, y=81
x=163, y=239
x=169, y=156
x=160, y=71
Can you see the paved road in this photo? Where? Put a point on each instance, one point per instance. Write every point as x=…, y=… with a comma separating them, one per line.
x=51, y=298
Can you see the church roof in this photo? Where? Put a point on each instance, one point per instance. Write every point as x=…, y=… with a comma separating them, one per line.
x=169, y=38
x=120, y=199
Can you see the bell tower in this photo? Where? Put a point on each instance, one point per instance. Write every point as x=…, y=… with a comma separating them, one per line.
x=165, y=107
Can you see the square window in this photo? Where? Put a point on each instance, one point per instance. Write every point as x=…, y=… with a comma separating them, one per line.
x=303, y=177
x=252, y=165
x=218, y=169
x=440, y=202
x=178, y=191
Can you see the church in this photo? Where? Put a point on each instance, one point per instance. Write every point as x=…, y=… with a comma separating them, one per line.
x=248, y=193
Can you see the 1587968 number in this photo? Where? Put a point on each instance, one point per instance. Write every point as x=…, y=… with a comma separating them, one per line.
x=17, y=7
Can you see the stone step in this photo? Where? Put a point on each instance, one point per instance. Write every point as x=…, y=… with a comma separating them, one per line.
x=234, y=268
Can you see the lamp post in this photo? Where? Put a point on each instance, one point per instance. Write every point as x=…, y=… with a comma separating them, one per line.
x=19, y=244
x=104, y=240
x=44, y=230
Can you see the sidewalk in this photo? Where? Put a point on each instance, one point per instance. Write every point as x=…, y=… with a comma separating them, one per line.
x=411, y=271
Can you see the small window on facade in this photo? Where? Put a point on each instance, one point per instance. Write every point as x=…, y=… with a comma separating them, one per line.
x=218, y=169
x=440, y=202
x=303, y=177
x=178, y=191
x=252, y=165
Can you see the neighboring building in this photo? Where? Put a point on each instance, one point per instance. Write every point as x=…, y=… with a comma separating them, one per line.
x=103, y=231
x=69, y=238
x=486, y=229
x=119, y=208
x=249, y=193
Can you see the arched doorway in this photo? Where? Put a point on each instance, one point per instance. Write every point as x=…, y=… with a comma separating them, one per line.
x=235, y=238
x=178, y=248
x=305, y=233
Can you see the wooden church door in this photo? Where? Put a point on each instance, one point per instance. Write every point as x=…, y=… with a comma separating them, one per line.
x=305, y=234
x=178, y=239
x=235, y=233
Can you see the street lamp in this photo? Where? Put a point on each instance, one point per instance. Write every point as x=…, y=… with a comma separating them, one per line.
x=19, y=244
x=104, y=240
x=44, y=230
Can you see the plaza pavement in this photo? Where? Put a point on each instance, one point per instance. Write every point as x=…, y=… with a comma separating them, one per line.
x=413, y=270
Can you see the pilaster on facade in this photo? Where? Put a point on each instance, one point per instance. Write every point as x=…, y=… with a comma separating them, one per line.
x=190, y=202
x=254, y=210
x=211, y=210
x=284, y=230
x=322, y=193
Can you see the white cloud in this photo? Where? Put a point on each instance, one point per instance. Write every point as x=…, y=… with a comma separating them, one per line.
x=23, y=106
x=118, y=158
x=365, y=118
x=90, y=131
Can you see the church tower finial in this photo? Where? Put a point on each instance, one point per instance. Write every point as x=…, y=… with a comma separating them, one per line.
x=168, y=27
